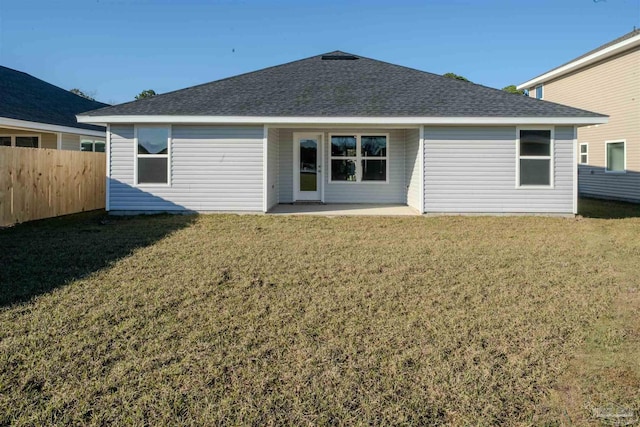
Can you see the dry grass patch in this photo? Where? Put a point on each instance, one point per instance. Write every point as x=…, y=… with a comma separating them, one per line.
x=300, y=320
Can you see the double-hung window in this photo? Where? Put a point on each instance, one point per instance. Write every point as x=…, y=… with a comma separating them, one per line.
x=539, y=92
x=28, y=141
x=535, y=158
x=615, y=156
x=92, y=145
x=359, y=158
x=152, y=154
x=584, y=153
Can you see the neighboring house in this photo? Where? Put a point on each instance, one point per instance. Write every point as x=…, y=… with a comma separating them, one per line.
x=34, y=113
x=340, y=128
x=606, y=80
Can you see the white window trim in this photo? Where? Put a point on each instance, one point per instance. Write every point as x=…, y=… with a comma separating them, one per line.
x=580, y=153
x=535, y=91
x=13, y=137
x=93, y=144
x=156, y=156
x=551, y=158
x=358, y=157
x=606, y=155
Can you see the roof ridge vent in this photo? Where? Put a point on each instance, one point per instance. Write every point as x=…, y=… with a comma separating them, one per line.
x=338, y=57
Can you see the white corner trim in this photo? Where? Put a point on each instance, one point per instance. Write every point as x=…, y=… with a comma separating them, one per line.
x=421, y=152
x=108, y=174
x=265, y=168
x=45, y=127
x=576, y=159
x=58, y=140
x=262, y=120
x=596, y=56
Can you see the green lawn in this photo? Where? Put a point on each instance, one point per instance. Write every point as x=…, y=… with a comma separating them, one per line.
x=270, y=320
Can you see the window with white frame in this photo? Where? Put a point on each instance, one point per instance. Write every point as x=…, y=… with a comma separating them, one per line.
x=359, y=158
x=152, y=154
x=28, y=141
x=92, y=145
x=615, y=156
x=535, y=157
x=539, y=91
x=584, y=153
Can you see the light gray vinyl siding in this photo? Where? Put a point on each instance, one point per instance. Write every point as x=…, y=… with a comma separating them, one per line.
x=473, y=169
x=285, y=165
x=70, y=142
x=595, y=182
x=214, y=168
x=392, y=192
x=412, y=168
x=273, y=146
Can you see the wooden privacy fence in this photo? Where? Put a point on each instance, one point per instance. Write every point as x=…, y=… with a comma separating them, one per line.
x=37, y=183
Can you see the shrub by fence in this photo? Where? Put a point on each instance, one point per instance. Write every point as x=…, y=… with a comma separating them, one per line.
x=37, y=183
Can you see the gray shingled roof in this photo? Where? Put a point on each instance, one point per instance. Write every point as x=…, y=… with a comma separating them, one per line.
x=359, y=87
x=24, y=97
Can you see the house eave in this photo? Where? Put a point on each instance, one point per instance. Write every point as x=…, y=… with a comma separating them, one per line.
x=409, y=121
x=46, y=127
x=582, y=62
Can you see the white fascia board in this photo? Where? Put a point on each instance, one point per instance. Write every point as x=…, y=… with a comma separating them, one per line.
x=345, y=120
x=587, y=60
x=45, y=127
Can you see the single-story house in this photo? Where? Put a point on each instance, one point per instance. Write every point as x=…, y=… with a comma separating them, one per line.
x=37, y=114
x=342, y=128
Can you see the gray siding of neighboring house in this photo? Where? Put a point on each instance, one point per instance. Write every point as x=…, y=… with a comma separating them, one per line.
x=413, y=168
x=273, y=147
x=214, y=168
x=70, y=142
x=473, y=169
x=593, y=181
x=394, y=191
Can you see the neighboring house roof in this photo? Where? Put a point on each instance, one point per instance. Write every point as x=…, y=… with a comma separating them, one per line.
x=24, y=97
x=607, y=50
x=338, y=84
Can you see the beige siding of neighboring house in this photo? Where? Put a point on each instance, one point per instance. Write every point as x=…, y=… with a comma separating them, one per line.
x=609, y=87
x=47, y=140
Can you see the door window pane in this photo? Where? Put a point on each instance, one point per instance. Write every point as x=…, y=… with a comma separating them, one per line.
x=615, y=157
x=5, y=141
x=343, y=146
x=374, y=170
x=27, y=141
x=343, y=170
x=153, y=140
x=152, y=170
x=374, y=146
x=535, y=172
x=308, y=165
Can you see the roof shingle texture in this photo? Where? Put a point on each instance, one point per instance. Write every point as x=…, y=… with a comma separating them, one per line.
x=24, y=97
x=342, y=88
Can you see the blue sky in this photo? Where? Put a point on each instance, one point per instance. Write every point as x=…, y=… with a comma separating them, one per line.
x=117, y=48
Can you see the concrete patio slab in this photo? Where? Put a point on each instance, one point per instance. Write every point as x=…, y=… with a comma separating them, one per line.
x=340, y=209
